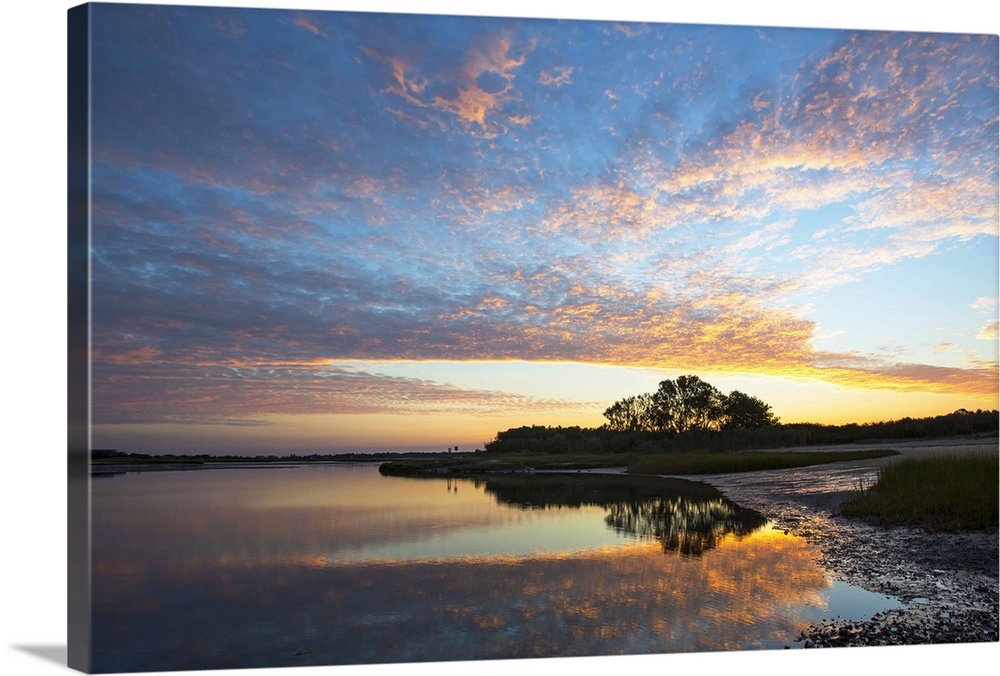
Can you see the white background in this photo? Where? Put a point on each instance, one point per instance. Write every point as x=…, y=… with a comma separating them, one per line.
x=33, y=105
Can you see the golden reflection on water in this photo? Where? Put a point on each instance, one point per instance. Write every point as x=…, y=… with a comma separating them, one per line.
x=265, y=575
x=750, y=592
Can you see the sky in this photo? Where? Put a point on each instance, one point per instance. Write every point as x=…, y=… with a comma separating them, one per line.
x=35, y=339
x=334, y=231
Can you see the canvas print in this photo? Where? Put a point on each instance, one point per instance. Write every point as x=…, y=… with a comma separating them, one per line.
x=402, y=338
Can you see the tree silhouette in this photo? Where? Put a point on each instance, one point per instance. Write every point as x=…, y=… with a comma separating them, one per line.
x=631, y=414
x=741, y=411
x=688, y=403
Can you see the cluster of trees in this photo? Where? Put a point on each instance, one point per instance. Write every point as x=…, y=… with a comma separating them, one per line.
x=689, y=414
x=541, y=439
x=582, y=441
x=688, y=404
x=962, y=422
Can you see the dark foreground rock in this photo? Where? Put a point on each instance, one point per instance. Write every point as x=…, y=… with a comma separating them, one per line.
x=947, y=581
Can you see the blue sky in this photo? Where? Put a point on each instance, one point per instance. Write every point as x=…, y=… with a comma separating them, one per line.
x=319, y=230
x=34, y=277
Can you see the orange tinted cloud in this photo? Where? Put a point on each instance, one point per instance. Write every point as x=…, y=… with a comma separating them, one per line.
x=989, y=332
x=471, y=102
x=685, y=198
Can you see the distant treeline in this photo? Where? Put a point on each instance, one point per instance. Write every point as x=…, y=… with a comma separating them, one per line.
x=139, y=458
x=582, y=440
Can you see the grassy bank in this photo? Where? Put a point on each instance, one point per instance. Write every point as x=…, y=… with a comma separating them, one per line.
x=722, y=463
x=682, y=463
x=937, y=493
x=518, y=462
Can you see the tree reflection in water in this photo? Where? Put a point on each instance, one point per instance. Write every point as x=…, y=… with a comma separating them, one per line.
x=688, y=526
x=340, y=565
x=689, y=517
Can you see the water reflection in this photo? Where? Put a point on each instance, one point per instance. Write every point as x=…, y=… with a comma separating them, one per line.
x=680, y=524
x=260, y=568
x=689, y=517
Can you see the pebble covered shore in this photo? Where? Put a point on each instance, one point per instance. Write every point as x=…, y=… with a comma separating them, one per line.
x=947, y=582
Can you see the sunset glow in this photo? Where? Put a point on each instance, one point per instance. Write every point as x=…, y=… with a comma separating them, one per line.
x=322, y=231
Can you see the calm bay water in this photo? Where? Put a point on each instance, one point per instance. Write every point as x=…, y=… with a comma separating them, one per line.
x=233, y=568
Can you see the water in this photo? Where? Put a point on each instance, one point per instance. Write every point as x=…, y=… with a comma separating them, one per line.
x=239, y=568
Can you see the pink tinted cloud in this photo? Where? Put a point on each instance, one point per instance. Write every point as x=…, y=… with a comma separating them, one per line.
x=217, y=394
x=472, y=104
x=561, y=76
x=302, y=21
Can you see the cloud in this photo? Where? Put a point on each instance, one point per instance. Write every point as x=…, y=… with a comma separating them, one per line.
x=901, y=377
x=631, y=30
x=256, y=217
x=302, y=21
x=857, y=133
x=562, y=78
x=986, y=305
x=472, y=94
x=989, y=332
x=245, y=299
x=248, y=393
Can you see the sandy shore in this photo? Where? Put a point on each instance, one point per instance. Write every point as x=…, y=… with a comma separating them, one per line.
x=948, y=582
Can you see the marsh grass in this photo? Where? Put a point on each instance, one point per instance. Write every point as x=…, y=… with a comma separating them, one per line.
x=675, y=463
x=944, y=493
x=496, y=463
x=722, y=463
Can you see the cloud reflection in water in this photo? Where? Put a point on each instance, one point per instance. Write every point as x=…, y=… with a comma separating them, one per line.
x=179, y=584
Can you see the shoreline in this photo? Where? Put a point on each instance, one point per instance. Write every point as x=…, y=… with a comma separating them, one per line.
x=948, y=582
x=112, y=469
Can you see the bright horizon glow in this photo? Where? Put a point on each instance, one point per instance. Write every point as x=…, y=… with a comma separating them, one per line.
x=470, y=224
x=471, y=429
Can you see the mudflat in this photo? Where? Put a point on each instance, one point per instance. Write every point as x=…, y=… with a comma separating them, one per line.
x=948, y=582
